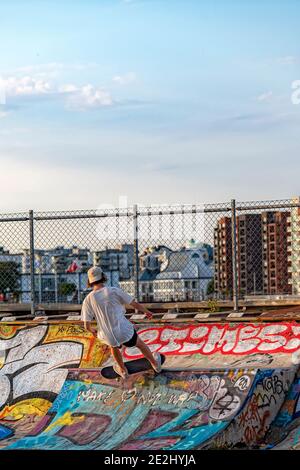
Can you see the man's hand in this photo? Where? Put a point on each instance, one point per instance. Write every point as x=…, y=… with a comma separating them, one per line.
x=88, y=327
x=142, y=309
x=149, y=314
x=94, y=332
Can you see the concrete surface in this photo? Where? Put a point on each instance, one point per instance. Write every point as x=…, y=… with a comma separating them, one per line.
x=224, y=385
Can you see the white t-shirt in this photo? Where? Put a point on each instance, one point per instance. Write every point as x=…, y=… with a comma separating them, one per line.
x=106, y=305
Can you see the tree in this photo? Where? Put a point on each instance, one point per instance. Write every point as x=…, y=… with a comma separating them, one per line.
x=211, y=287
x=67, y=288
x=9, y=276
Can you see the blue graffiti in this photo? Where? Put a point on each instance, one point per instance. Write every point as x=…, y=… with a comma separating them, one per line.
x=5, y=432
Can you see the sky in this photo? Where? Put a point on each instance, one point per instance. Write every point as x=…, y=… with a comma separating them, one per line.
x=150, y=101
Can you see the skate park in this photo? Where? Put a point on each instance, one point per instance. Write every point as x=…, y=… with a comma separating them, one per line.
x=224, y=385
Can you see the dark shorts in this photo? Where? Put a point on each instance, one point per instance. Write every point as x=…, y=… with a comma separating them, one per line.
x=131, y=342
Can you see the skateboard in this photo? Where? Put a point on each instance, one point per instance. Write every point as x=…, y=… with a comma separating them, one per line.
x=133, y=367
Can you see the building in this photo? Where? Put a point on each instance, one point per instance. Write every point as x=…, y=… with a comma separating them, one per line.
x=275, y=226
x=10, y=272
x=294, y=247
x=117, y=263
x=262, y=254
x=223, y=279
x=168, y=276
x=249, y=254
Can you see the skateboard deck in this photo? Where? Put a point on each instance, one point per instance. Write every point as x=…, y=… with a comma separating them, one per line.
x=133, y=367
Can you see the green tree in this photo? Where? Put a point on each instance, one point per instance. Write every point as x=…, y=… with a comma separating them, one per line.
x=67, y=288
x=9, y=276
x=211, y=287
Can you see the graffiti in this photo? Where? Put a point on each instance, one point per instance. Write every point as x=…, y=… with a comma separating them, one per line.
x=254, y=359
x=26, y=358
x=5, y=432
x=210, y=392
x=263, y=405
x=226, y=339
x=243, y=383
x=70, y=330
x=34, y=362
x=225, y=404
x=51, y=399
x=284, y=432
x=170, y=411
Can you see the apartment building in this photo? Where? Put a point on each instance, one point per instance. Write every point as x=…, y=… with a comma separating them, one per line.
x=116, y=260
x=169, y=276
x=249, y=254
x=223, y=279
x=294, y=247
x=275, y=227
x=262, y=254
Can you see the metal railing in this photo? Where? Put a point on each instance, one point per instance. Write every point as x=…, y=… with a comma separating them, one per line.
x=158, y=254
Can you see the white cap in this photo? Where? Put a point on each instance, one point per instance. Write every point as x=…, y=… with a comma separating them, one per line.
x=94, y=274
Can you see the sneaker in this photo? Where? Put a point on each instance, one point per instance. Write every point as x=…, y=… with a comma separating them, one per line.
x=157, y=358
x=122, y=373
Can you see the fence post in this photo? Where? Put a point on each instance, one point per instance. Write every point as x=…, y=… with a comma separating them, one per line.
x=78, y=296
x=136, y=251
x=32, y=267
x=56, y=287
x=234, y=257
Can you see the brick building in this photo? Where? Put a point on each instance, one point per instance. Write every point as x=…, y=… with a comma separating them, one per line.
x=263, y=249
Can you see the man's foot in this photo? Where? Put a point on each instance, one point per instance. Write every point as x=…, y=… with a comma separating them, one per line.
x=121, y=372
x=157, y=366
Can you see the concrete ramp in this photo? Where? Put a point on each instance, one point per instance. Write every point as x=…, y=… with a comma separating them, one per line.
x=224, y=386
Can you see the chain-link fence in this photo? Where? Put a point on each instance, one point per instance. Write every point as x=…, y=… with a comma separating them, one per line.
x=159, y=254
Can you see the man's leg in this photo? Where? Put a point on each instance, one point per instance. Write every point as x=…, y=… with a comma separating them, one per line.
x=117, y=355
x=146, y=351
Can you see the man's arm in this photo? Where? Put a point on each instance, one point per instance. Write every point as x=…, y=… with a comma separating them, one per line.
x=142, y=309
x=88, y=327
x=87, y=317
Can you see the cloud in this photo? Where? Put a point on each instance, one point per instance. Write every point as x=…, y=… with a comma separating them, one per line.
x=265, y=96
x=125, y=79
x=3, y=114
x=26, y=86
x=68, y=88
x=86, y=96
x=89, y=96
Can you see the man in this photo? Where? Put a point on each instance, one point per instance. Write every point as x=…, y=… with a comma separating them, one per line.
x=107, y=306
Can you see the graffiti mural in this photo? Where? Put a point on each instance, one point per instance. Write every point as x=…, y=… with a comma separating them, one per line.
x=285, y=431
x=34, y=364
x=170, y=411
x=209, y=339
x=217, y=389
x=259, y=411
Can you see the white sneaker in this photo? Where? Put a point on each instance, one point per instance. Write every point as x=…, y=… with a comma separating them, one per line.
x=120, y=372
x=158, y=362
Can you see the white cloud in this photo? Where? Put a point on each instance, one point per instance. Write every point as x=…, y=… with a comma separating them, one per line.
x=25, y=86
x=265, y=96
x=3, y=114
x=68, y=88
x=89, y=96
x=125, y=79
